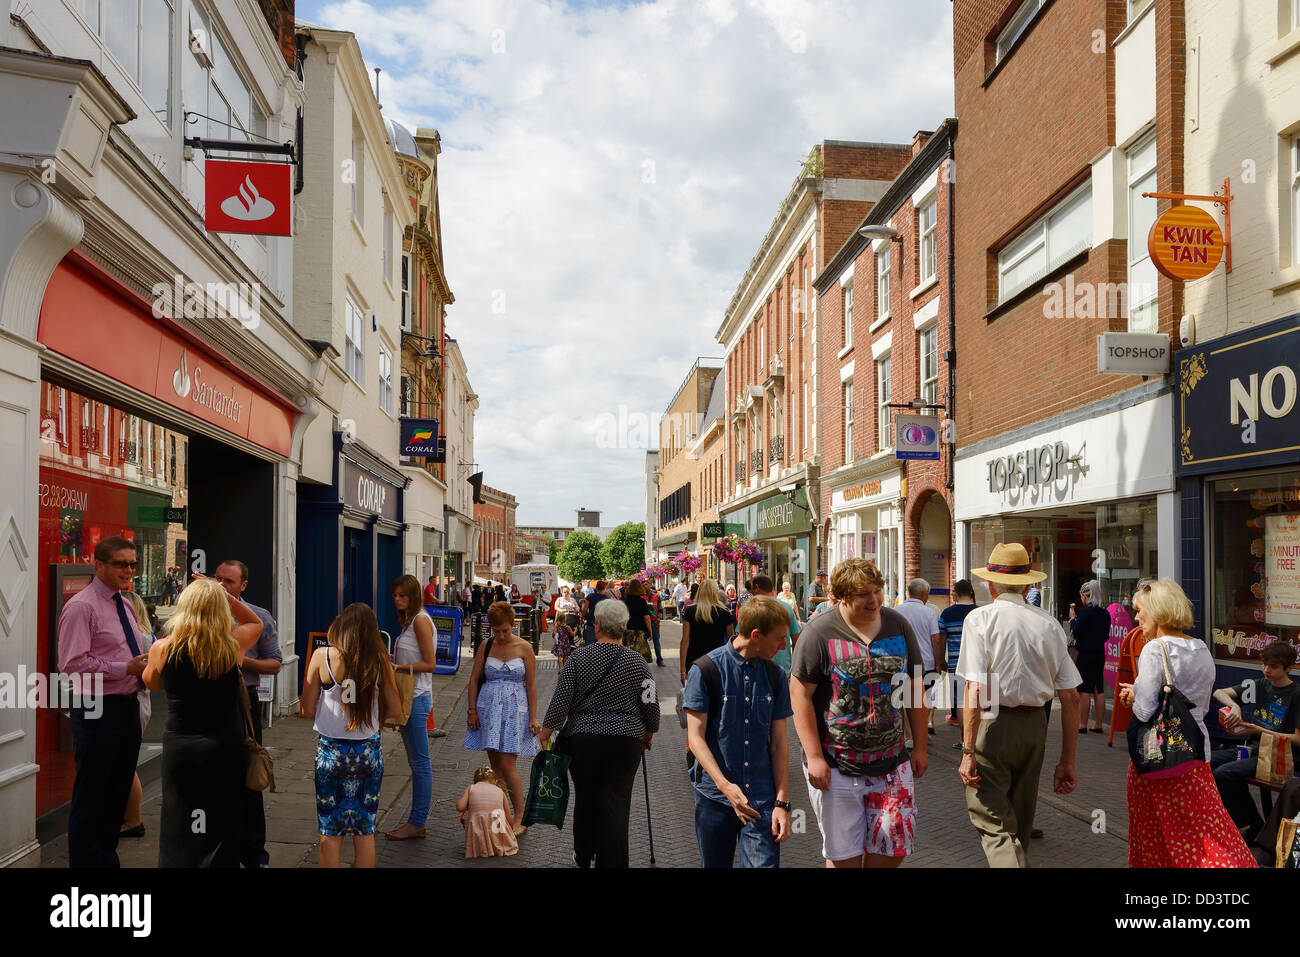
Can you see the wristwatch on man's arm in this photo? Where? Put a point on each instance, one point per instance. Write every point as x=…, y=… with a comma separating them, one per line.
x=783, y=805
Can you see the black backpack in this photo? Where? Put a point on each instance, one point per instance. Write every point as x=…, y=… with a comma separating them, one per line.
x=713, y=685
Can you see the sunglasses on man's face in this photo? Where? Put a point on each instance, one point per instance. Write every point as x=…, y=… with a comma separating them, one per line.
x=117, y=563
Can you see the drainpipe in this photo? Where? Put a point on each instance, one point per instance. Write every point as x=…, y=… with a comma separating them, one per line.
x=952, y=317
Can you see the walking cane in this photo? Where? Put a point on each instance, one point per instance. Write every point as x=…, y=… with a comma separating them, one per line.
x=645, y=779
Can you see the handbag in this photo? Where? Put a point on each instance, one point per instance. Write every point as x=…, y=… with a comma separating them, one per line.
x=260, y=774
x=1170, y=741
x=406, y=692
x=548, y=789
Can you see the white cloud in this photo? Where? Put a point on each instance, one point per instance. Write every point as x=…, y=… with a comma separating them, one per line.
x=608, y=173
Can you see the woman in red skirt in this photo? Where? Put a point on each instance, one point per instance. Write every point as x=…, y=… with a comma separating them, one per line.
x=1178, y=821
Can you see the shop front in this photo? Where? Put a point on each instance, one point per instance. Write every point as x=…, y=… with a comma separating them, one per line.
x=1238, y=463
x=1090, y=496
x=782, y=526
x=146, y=434
x=350, y=536
x=867, y=522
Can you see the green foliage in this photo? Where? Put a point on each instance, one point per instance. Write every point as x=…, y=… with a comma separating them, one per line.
x=554, y=549
x=580, y=557
x=624, y=550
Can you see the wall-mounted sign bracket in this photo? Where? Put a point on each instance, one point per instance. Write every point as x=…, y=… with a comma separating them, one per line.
x=1222, y=200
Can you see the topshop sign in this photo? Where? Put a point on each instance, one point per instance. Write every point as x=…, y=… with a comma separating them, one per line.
x=1036, y=466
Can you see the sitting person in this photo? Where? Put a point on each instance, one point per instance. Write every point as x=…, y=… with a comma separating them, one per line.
x=1270, y=703
x=1286, y=808
x=485, y=815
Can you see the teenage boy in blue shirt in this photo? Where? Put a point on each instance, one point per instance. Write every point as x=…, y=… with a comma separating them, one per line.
x=737, y=703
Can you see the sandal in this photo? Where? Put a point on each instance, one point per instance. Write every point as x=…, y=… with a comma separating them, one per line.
x=415, y=832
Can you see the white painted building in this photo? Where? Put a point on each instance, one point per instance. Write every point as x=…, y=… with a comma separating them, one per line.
x=461, y=403
x=119, y=400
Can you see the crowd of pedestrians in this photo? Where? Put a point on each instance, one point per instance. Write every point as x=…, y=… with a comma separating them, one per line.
x=849, y=669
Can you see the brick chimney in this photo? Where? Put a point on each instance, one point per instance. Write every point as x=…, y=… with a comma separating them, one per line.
x=919, y=140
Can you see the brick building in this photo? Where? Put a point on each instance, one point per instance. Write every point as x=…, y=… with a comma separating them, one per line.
x=1069, y=112
x=770, y=336
x=885, y=332
x=495, y=518
x=679, y=477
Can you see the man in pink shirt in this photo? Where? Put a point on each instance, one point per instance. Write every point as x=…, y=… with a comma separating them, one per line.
x=98, y=635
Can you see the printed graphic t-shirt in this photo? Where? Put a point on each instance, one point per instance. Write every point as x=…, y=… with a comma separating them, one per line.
x=860, y=729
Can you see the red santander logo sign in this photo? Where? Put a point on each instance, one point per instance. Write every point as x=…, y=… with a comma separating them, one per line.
x=1185, y=243
x=246, y=197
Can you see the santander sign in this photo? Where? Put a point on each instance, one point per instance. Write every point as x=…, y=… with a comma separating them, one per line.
x=246, y=197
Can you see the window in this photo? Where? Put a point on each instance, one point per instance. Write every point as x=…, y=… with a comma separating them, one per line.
x=1295, y=177
x=884, y=440
x=882, y=283
x=1017, y=25
x=136, y=32
x=406, y=292
x=929, y=239
x=1137, y=7
x=354, y=350
x=385, y=379
x=928, y=345
x=1143, y=288
x=388, y=244
x=1063, y=233
x=847, y=396
x=358, y=174
x=848, y=315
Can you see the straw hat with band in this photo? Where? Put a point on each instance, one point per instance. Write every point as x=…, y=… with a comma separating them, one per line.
x=1009, y=565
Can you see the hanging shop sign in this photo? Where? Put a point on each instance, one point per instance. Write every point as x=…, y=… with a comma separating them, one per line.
x=1237, y=399
x=1185, y=243
x=1132, y=353
x=420, y=439
x=712, y=531
x=916, y=437
x=248, y=197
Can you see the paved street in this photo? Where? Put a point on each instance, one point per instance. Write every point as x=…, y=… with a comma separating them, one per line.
x=945, y=837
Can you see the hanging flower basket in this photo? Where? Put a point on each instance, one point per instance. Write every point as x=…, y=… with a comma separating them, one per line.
x=737, y=549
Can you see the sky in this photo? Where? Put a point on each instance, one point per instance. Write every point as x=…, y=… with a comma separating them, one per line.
x=608, y=171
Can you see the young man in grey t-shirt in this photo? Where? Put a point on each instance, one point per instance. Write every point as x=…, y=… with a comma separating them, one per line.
x=855, y=671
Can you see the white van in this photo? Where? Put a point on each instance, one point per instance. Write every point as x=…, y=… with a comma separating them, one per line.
x=535, y=578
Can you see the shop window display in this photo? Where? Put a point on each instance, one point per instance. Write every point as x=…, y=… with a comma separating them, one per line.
x=102, y=473
x=1255, y=554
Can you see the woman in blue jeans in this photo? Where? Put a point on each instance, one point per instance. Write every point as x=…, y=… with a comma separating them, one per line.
x=414, y=654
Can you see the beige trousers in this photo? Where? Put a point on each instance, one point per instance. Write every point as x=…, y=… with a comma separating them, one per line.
x=1008, y=758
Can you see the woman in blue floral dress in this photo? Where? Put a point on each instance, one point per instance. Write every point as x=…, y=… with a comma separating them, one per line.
x=502, y=715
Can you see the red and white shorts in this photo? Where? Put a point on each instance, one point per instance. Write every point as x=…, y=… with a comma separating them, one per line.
x=872, y=815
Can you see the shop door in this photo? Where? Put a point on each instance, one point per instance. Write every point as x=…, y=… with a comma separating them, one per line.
x=936, y=549
x=358, y=570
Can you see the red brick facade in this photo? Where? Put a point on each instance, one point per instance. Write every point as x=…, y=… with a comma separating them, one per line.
x=910, y=296
x=1031, y=127
x=495, y=518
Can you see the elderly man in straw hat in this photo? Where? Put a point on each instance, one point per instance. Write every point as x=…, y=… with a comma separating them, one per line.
x=1013, y=659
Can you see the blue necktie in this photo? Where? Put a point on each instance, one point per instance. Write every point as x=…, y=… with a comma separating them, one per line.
x=128, y=630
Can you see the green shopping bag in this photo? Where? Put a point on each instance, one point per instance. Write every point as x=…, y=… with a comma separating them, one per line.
x=548, y=791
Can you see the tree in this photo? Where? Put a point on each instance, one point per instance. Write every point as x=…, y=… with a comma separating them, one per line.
x=553, y=549
x=580, y=557
x=624, y=550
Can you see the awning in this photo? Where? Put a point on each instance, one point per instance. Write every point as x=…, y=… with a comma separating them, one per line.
x=681, y=538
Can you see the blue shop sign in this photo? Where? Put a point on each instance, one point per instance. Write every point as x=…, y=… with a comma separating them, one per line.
x=1236, y=402
x=420, y=439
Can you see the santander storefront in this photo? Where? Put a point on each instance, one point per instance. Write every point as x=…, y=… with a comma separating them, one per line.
x=147, y=433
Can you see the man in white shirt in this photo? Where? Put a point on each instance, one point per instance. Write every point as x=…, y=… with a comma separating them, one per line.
x=679, y=597
x=925, y=626
x=1013, y=659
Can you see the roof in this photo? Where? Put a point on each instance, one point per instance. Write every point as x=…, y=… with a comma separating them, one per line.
x=402, y=139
